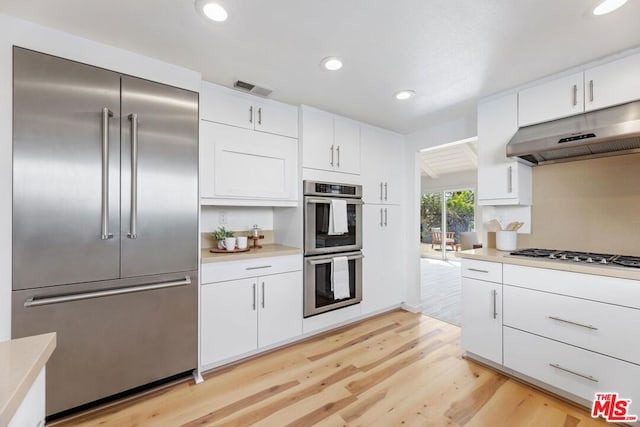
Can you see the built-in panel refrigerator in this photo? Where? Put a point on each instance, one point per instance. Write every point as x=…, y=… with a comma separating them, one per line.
x=105, y=226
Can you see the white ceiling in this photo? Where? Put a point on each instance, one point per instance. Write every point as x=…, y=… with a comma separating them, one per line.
x=451, y=52
x=449, y=159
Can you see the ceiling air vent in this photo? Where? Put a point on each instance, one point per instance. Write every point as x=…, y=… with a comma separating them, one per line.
x=251, y=88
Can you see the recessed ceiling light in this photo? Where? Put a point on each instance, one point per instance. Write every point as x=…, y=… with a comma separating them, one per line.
x=331, y=63
x=608, y=6
x=404, y=95
x=215, y=12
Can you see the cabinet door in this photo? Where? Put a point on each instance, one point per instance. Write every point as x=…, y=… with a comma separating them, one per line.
x=391, y=247
x=482, y=318
x=280, y=312
x=318, y=149
x=254, y=165
x=391, y=159
x=382, y=265
x=373, y=165
x=277, y=118
x=501, y=181
x=222, y=105
x=206, y=155
x=229, y=319
x=552, y=100
x=347, y=146
x=613, y=83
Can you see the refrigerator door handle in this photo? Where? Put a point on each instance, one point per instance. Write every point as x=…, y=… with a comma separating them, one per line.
x=133, y=216
x=33, y=302
x=105, y=235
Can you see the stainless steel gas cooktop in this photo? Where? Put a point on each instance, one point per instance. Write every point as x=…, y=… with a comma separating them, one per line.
x=581, y=257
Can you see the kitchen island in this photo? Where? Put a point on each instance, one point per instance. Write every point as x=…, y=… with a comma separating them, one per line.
x=22, y=363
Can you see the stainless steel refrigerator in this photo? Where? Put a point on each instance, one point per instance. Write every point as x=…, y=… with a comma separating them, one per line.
x=105, y=225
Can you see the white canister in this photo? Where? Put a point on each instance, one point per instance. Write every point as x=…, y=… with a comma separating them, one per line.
x=506, y=240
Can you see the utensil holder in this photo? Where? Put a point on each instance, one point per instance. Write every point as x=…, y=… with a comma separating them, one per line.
x=506, y=240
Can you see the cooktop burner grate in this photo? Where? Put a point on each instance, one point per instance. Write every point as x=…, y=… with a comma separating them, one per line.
x=575, y=256
x=627, y=261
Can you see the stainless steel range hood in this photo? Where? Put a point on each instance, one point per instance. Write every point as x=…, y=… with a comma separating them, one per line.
x=607, y=132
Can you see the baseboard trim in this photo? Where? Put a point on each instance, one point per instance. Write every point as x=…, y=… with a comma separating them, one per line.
x=411, y=308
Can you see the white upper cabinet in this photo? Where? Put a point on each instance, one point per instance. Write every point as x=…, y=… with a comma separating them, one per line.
x=346, y=138
x=598, y=87
x=248, y=150
x=277, y=118
x=552, y=100
x=330, y=142
x=501, y=181
x=382, y=152
x=614, y=83
x=230, y=107
x=242, y=167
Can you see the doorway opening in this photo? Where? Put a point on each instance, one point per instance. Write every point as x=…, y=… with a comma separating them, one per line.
x=448, y=214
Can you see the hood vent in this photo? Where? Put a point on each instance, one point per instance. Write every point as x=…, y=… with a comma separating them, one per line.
x=251, y=88
x=607, y=132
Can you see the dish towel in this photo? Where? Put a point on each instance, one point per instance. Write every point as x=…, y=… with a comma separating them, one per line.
x=340, y=278
x=338, y=217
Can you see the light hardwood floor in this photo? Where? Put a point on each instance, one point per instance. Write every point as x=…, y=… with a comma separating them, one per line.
x=395, y=369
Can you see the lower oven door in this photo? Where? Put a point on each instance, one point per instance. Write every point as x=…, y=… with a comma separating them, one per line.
x=318, y=283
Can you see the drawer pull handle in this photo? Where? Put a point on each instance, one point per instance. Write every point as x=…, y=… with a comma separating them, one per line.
x=578, y=374
x=258, y=268
x=477, y=270
x=582, y=325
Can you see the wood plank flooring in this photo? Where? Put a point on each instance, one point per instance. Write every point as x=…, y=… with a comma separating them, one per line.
x=395, y=369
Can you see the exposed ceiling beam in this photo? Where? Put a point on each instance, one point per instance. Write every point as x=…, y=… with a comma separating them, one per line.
x=427, y=170
x=470, y=154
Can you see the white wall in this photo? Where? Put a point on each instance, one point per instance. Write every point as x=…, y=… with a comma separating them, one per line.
x=456, y=129
x=237, y=218
x=21, y=33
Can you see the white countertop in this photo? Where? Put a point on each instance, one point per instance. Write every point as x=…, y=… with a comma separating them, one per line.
x=267, y=250
x=21, y=360
x=487, y=254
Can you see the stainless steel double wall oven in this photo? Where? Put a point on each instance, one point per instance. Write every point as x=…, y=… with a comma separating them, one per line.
x=320, y=247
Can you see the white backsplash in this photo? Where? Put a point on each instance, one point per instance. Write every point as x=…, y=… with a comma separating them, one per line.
x=235, y=217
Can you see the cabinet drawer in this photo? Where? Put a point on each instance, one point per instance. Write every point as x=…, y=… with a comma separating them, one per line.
x=232, y=270
x=613, y=290
x=577, y=371
x=591, y=325
x=482, y=270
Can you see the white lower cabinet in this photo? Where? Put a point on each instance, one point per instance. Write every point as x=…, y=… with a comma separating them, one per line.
x=567, y=330
x=31, y=412
x=229, y=319
x=243, y=315
x=381, y=284
x=482, y=318
x=577, y=371
x=588, y=324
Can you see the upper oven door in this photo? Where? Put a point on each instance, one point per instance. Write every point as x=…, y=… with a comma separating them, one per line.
x=316, y=227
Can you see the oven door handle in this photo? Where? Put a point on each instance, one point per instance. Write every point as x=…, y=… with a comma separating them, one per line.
x=328, y=201
x=329, y=260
